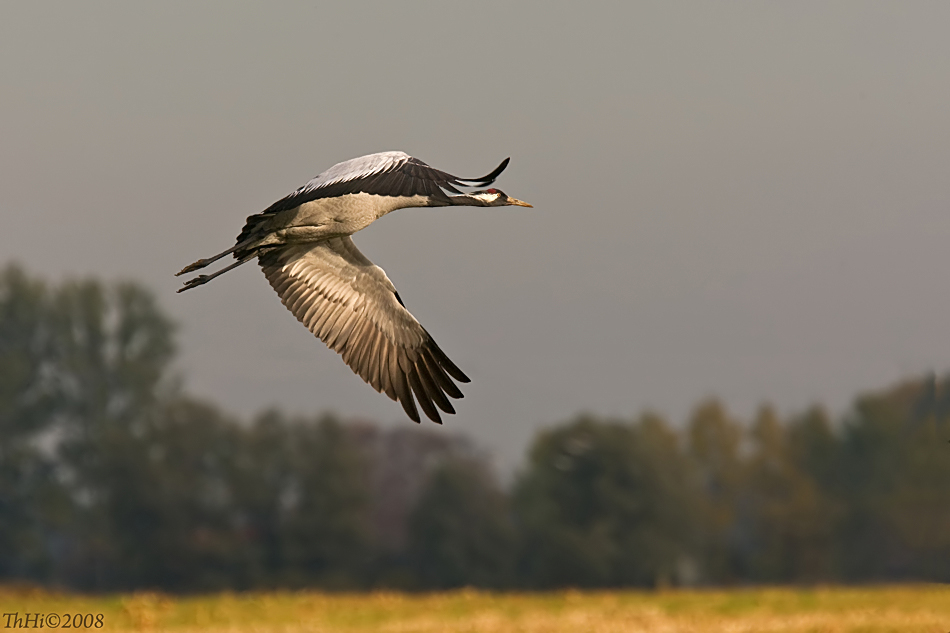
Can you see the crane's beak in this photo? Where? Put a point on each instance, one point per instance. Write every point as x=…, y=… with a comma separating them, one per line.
x=518, y=203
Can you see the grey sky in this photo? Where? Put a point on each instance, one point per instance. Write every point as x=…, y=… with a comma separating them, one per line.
x=743, y=199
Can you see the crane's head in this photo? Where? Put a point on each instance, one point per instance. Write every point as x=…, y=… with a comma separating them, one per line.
x=496, y=198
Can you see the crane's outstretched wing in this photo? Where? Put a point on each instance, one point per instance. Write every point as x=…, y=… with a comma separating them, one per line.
x=385, y=174
x=352, y=306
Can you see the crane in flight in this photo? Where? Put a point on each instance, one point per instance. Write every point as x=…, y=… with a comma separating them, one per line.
x=302, y=243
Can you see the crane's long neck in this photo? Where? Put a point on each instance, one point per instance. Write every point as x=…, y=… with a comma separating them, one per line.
x=385, y=204
x=467, y=200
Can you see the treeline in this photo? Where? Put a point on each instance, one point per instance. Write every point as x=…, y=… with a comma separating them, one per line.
x=113, y=477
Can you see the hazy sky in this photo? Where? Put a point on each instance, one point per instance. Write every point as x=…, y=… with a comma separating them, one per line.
x=743, y=199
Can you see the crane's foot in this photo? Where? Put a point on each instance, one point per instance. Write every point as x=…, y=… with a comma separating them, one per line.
x=190, y=268
x=197, y=281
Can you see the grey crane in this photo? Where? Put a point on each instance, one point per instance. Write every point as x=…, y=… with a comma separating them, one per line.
x=302, y=243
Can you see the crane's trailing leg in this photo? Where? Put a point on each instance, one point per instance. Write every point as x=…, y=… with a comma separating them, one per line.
x=201, y=263
x=203, y=279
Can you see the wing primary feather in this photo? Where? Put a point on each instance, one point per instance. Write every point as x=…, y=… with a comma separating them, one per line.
x=489, y=178
x=431, y=412
x=407, y=188
x=384, y=379
x=441, y=377
x=426, y=185
x=435, y=394
x=405, y=363
x=370, y=360
x=446, y=364
x=366, y=358
x=405, y=395
x=378, y=360
x=364, y=347
x=354, y=344
x=395, y=373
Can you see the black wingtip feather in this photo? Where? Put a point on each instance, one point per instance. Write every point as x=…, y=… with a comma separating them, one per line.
x=410, y=408
x=416, y=383
x=401, y=385
x=432, y=389
x=440, y=376
x=447, y=364
x=489, y=178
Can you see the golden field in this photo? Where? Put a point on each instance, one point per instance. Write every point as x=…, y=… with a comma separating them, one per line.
x=903, y=608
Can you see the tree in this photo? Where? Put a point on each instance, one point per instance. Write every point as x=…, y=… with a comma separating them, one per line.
x=461, y=531
x=325, y=508
x=401, y=462
x=112, y=348
x=714, y=448
x=81, y=365
x=605, y=503
x=27, y=393
x=31, y=501
x=893, y=470
x=263, y=485
x=790, y=526
x=814, y=451
x=162, y=511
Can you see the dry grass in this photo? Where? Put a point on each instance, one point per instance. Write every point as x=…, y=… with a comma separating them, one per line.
x=901, y=608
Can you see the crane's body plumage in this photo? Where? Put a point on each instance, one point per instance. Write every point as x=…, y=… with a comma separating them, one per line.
x=303, y=247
